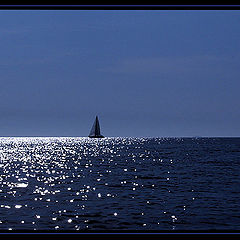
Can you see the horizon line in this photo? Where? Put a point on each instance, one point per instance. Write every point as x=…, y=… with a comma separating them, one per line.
x=35, y=136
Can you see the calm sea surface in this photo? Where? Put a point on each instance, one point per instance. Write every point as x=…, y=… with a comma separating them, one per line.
x=117, y=184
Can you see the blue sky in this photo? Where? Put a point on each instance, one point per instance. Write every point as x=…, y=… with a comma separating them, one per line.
x=143, y=72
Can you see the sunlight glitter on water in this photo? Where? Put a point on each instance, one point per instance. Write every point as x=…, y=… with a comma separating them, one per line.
x=73, y=183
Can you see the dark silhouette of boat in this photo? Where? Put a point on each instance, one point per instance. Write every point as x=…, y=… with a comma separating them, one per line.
x=95, y=131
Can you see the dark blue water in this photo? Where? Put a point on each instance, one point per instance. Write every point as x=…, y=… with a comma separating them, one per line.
x=119, y=184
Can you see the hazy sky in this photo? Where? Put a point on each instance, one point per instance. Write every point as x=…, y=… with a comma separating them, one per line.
x=144, y=73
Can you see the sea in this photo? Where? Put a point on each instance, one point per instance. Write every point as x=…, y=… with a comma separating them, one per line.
x=119, y=184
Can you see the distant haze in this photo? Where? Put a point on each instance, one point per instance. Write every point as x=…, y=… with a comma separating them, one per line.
x=144, y=73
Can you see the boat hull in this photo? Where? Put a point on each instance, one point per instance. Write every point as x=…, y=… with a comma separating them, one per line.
x=96, y=136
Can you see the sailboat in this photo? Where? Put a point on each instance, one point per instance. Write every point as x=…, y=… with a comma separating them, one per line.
x=95, y=131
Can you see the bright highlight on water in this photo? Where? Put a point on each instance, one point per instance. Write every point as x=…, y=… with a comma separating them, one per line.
x=81, y=184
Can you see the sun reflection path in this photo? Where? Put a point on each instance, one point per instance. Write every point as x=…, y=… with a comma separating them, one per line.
x=81, y=183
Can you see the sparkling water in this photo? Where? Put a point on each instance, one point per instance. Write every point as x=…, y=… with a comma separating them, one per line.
x=112, y=184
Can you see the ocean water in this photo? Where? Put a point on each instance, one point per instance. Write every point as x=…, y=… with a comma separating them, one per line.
x=114, y=184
